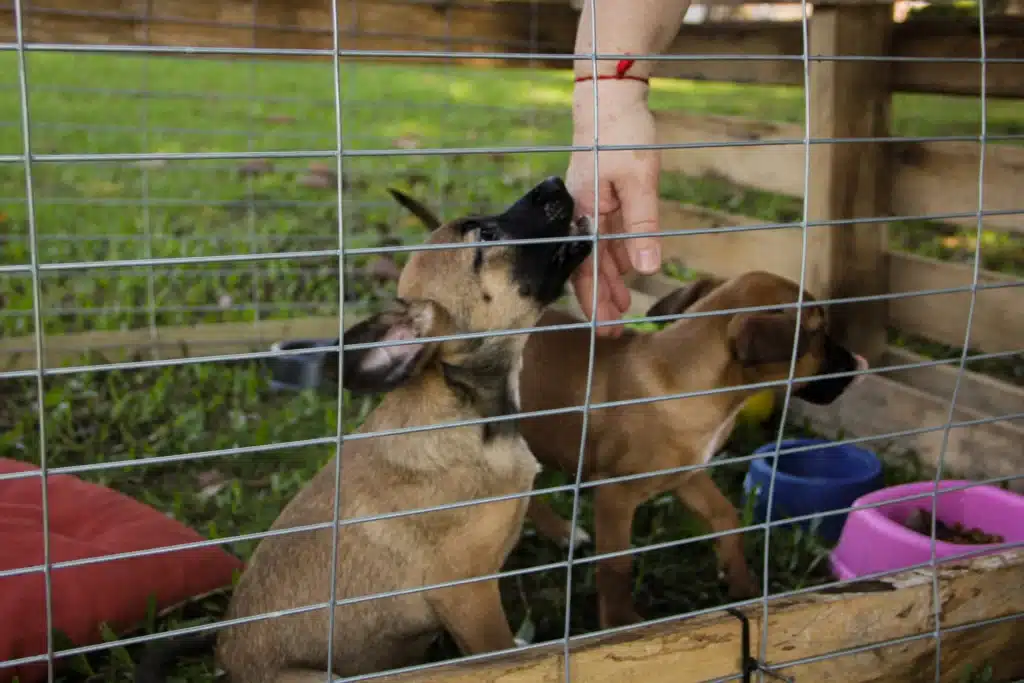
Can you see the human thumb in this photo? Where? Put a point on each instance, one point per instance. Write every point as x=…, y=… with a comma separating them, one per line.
x=638, y=197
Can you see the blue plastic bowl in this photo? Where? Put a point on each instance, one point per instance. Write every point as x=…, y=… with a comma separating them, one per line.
x=814, y=481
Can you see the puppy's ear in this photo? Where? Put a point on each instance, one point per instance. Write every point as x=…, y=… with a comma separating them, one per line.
x=426, y=216
x=684, y=297
x=760, y=338
x=381, y=369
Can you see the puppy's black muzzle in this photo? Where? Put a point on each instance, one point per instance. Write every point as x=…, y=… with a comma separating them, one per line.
x=541, y=270
x=824, y=391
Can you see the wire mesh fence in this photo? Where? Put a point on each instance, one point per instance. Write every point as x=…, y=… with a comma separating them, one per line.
x=182, y=188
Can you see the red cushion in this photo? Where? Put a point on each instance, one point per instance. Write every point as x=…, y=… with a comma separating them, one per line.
x=88, y=520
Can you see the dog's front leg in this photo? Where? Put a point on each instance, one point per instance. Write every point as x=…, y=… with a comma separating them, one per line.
x=474, y=616
x=700, y=494
x=552, y=526
x=614, y=508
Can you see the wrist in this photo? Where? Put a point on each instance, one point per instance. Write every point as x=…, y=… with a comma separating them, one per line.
x=619, y=93
x=614, y=99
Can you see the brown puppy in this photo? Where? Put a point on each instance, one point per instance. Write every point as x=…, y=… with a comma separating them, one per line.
x=441, y=292
x=690, y=355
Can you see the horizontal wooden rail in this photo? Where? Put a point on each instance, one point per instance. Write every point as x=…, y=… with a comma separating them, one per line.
x=931, y=178
x=708, y=647
x=179, y=341
x=917, y=39
x=998, y=324
x=519, y=26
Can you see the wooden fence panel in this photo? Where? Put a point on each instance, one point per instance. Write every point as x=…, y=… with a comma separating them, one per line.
x=930, y=178
x=998, y=323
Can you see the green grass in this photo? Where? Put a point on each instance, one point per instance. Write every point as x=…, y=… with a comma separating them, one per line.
x=104, y=211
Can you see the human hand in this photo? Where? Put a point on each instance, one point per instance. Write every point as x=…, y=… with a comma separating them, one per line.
x=627, y=200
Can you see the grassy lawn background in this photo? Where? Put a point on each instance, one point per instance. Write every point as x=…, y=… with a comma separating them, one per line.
x=105, y=211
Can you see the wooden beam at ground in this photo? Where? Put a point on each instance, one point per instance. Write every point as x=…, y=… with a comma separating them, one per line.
x=977, y=391
x=998, y=323
x=708, y=647
x=920, y=39
x=879, y=406
x=206, y=339
x=931, y=178
x=182, y=341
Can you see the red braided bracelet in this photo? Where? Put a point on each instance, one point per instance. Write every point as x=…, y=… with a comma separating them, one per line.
x=620, y=74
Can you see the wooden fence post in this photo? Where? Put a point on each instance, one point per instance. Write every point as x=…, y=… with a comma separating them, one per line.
x=850, y=99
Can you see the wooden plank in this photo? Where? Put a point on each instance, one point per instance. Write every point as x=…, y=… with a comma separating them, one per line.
x=727, y=253
x=183, y=341
x=977, y=391
x=516, y=27
x=306, y=24
x=919, y=39
x=879, y=406
x=207, y=339
x=931, y=178
x=852, y=100
x=708, y=647
x=998, y=323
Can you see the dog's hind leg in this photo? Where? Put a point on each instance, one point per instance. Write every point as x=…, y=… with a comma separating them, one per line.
x=700, y=494
x=553, y=526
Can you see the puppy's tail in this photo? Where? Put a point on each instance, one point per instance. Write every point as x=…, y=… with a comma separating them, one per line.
x=159, y=656
x=417, y=209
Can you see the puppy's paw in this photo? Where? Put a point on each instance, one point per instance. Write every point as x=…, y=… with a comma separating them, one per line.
x=741, y=584
x=520, y=642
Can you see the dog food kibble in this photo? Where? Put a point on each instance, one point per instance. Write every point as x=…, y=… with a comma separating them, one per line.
x=921, y=522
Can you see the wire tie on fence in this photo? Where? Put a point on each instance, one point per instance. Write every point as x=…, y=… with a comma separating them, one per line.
x=748, y=663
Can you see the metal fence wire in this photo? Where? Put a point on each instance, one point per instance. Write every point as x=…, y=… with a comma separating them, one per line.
x=129, y=206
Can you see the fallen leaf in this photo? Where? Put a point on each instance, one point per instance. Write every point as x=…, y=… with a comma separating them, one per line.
x=407, y=142
x=321, y=167
x=256, y=167
x=210, y=477
x=208, y=492
x=281, y=118
x=319, y=181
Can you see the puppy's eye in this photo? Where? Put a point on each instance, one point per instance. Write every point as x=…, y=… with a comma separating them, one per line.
x=488, y=233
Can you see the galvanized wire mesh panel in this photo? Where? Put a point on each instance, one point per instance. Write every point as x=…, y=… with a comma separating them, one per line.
x=245, y=184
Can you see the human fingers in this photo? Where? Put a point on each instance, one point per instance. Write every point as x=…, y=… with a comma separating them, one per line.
x=638, y=197
x=611, y=285
x=583, y=287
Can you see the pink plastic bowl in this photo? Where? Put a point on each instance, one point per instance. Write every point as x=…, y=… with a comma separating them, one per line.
x=874, y=540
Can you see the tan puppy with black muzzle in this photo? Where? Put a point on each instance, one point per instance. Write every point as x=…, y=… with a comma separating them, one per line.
x=478, y=288
x=689, y=355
